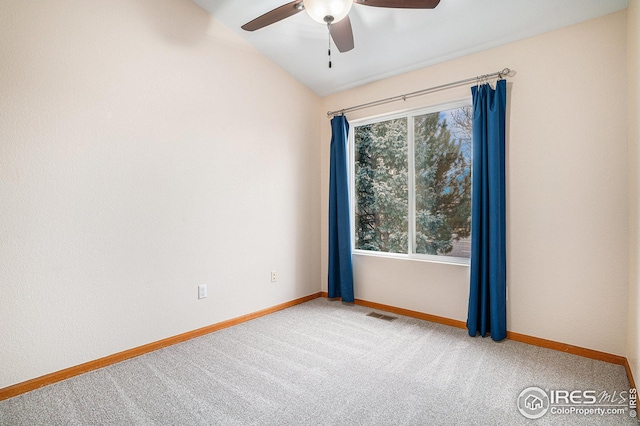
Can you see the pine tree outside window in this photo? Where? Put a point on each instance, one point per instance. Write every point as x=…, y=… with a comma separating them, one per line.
x=411, y=184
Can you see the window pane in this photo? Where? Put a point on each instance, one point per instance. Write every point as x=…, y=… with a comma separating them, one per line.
x=381, y=211
x=443, y=182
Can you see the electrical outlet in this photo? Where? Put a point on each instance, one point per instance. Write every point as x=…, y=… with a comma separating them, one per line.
x=202, y=291
x=274, y=276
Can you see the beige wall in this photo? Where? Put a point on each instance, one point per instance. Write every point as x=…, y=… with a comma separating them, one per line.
x=143, y=154
x=633, y=343
x=566, y=182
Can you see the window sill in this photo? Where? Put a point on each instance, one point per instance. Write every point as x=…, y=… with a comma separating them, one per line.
x=457, y=261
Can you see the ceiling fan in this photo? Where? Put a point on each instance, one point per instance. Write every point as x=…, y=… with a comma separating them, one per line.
x=333, y=13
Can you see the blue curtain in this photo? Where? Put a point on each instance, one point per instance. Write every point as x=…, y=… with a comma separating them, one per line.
x=488, y=290
x=340, y=269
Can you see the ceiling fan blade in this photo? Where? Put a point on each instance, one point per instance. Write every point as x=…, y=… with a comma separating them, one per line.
x=400, y=4
x=275, y=15
x=342, y=34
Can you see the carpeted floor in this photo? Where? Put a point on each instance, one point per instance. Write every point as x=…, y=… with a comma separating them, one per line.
x=322, y=363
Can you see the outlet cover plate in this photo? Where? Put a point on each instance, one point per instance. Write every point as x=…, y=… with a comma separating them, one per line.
x=202, y=291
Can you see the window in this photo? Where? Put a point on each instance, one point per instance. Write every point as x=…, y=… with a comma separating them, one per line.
x=411, y=183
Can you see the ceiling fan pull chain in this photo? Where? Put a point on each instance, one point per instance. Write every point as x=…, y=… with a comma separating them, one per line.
x=329, y=51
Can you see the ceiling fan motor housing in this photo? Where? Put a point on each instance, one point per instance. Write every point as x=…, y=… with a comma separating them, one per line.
x=328, y=11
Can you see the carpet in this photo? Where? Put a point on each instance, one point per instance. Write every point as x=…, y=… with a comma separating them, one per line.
x=324, y=363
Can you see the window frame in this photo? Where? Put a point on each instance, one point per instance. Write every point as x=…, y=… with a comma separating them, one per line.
x=410, y=114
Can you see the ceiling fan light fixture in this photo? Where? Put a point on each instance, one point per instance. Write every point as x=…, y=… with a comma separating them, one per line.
x=320, y=9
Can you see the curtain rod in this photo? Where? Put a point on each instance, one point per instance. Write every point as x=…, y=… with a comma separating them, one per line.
x=479, y=79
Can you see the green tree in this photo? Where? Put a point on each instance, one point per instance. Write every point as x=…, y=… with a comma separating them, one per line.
x=381, y=186
x=442, y=183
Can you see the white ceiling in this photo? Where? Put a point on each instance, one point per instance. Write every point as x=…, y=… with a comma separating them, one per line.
x=392, y=41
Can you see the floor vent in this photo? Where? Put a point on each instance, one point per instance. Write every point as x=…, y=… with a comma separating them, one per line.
x=381, y=316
